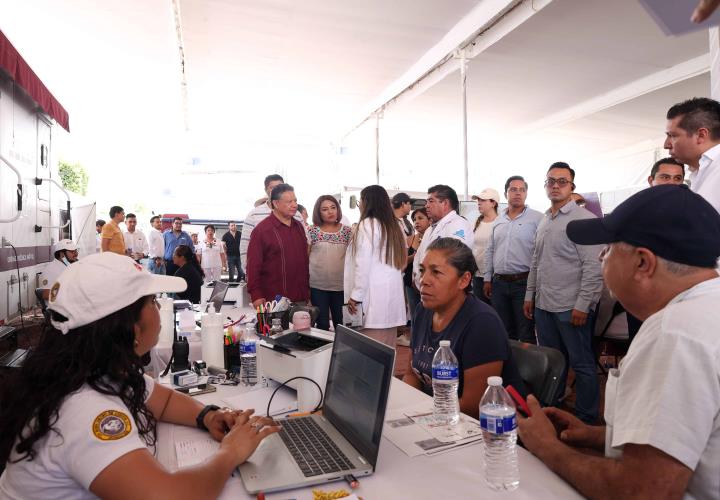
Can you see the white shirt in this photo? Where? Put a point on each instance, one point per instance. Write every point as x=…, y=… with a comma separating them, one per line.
x=136, y=242
x=51, y=272
x=481, y=239
x=95, y=430
x=368, y=279
x=450, y=226
x=210, y=253
x=705, y=181
x=667, y=393
x=156, y=244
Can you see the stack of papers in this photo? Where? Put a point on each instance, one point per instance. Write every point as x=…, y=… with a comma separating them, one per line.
x=415, y=432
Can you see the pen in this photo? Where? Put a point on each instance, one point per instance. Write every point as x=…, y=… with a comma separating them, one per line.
x=352, y=481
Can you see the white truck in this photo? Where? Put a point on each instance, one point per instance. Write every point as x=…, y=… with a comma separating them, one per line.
x=35, y=211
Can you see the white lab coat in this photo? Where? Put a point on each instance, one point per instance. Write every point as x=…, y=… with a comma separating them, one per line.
x=368, y=279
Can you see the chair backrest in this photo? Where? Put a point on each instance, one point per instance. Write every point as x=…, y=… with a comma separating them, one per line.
x=541, y=368
x=43, y=303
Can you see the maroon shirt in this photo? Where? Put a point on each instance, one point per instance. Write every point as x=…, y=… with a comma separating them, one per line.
x=277, y=261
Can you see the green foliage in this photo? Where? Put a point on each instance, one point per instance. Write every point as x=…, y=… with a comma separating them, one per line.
x=74, y=177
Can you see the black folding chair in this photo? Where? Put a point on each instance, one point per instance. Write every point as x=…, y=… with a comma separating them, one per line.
x=541, y=369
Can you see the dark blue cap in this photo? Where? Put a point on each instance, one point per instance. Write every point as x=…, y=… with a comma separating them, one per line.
x=671, y=221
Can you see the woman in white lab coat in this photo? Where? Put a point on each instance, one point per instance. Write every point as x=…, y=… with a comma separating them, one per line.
x=374, y=262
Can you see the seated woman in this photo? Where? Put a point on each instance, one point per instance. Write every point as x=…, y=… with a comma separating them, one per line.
x=81, y=418
x=189, y=269
x=449, y=311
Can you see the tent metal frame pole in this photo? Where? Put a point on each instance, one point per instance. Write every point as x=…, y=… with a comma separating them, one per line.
x=714, y=43
x=463, y=86
x=377, y=148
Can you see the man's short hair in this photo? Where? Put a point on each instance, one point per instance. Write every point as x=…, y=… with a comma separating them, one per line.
x=666, y=161
x=697, y=113
x=115, y=210
x=130, y=216
x=515, y=178
x=444, y=192
x=152, y=219
x=278, y=191
x=562, y=164
x=273, y=177
x=100, y=222
x=177, y=218
x=231, y=222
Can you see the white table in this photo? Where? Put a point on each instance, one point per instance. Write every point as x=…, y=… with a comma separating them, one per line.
x=456, y=474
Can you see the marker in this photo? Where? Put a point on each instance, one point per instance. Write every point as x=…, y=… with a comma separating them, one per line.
x=352, y=481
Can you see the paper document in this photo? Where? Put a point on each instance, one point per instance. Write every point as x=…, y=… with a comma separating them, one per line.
x=673, y=16
x=285, y=400
x=353, y=320
x=415, y=432
x=191, y=452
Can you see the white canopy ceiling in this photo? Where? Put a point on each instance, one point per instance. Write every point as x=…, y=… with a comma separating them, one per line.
x=271, y=84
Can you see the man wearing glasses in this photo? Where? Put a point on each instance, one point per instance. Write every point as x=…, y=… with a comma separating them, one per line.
x=563, y=287
x=507, y=260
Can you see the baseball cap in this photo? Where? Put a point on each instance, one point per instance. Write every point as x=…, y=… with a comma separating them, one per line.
x=64, y=245
x=101, y=284
x=671, y=221
x=400, y=198
x=487, y=194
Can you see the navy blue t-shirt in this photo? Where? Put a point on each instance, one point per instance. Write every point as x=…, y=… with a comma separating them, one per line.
x=477, y=336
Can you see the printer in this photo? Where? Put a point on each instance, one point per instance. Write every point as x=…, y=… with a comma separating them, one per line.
x=292, y=354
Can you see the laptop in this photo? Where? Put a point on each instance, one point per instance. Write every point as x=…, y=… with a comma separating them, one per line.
x=217, y=296
x=345, y=439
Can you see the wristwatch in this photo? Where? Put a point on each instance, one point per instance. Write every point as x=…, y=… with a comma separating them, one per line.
x=201, y=416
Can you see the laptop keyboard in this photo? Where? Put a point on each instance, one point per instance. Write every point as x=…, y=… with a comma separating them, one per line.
x=312, y=449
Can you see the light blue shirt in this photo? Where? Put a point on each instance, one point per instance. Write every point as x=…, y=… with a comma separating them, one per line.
x=510, y=249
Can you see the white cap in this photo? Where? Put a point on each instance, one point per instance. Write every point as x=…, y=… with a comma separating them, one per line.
x=64, y=245
x=444, y=343
x=487, y=194
x=494, y=381
x=100, y=284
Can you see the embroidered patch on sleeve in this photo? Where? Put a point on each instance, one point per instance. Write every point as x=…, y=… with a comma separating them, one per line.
x=111, y=425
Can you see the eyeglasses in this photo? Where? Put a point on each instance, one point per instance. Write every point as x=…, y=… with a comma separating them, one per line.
x=357, y=203
x=561, y=182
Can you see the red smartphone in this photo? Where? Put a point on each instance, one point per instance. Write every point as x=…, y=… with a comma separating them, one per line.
x=522, y=405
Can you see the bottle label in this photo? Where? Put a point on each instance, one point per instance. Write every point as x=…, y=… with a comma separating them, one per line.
x=498, y=425
x=445, y=373
x=247, y=347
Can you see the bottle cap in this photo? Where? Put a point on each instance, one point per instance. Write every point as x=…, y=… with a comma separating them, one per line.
x=444, y=343
x=494, y=381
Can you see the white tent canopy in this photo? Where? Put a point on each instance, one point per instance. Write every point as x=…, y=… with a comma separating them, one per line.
x=278, y=86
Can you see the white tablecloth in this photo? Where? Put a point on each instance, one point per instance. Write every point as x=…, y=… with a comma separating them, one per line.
x=453, y=475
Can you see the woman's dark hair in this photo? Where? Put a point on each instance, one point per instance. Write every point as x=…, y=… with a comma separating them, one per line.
x=187, y=254
x=422, y=210
x=481, y=216
x=209, y=226
x=376, y=205
x=316, y=219
x=458, y=255
x=100, y=354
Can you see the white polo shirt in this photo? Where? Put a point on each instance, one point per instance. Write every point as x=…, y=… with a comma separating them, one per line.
x=51, y=272
x=94, y=430
x=667, y=391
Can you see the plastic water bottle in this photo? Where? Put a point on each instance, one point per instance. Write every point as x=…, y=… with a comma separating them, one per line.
x=445, y=383
x=499, y=423
x=248, y=356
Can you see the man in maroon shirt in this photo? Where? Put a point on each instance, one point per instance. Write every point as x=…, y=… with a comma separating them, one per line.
x=277, y=259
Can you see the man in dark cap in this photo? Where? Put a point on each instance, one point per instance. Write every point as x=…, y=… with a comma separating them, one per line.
x=662, y=406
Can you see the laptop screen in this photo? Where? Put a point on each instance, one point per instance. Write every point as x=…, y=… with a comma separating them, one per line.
x=217, y=296
x=357, y=389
